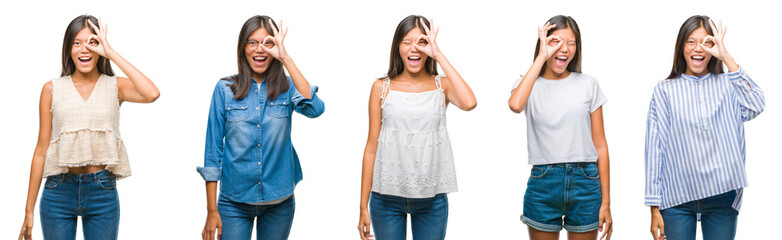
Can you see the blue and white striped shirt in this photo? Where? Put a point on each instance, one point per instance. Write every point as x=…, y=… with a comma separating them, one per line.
x=695, y=137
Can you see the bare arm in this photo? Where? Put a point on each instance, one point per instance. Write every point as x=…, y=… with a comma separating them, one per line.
x=137, y=87
x=278, y=51
x=456, y=89
x=375, y=115
x=518, y=99
x=599, y=139
x=39, y=158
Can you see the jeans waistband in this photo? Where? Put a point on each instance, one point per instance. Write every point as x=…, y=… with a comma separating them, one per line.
x=564, y=165
x=87, y=177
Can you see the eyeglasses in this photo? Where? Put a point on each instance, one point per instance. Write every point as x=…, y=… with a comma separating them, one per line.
x=252, y=44
x=554, y=42
x=691, y=44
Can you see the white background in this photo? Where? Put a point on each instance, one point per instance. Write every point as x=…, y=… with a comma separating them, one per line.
x=342, y=46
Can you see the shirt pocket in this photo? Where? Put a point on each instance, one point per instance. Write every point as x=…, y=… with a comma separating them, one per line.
x=236, y=113
x=279, y=109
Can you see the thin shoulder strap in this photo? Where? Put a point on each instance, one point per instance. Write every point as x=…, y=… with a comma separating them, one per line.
x=386, y=88
x=437, y=82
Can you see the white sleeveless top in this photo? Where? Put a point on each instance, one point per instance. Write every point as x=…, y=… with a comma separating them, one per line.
x=414, y=157
x=85, y=132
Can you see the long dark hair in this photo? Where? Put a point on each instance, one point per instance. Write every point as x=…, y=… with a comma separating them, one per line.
x=564, y=22
x=396, y=64
x=689, y=26
x=275, y=79
x=76, y=25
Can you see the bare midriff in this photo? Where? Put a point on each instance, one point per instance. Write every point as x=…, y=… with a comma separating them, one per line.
x=86, y=169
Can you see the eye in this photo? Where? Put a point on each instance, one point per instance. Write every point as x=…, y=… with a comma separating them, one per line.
x=422, y=43
x=572, y=44
x=690, y=42
x=252, y=43
x=268, y=43
x=76, y=43
x=93, y=43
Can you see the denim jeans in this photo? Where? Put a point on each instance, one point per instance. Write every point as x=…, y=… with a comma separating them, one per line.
x=93, y=196
x=274, y=221
x=717, y=216
x=429, y=216
x=569, y=190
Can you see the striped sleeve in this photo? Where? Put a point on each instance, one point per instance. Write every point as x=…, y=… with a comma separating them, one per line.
x=653, y=154
x=748, y=95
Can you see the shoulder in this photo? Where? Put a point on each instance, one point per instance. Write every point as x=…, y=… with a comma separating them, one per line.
x=378, y=85
x=226, y=81
x=584, y=77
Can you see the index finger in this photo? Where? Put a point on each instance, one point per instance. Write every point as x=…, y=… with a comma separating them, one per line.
x=713, y=28
x=423, y=24
x=274, y=28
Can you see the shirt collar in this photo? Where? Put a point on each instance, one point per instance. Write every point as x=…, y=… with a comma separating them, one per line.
x=696, y=78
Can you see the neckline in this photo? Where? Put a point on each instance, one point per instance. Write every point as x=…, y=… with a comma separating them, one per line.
x=392, y=90
x=73, y=85
x=565, y=79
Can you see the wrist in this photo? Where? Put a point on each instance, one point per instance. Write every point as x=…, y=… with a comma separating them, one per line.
x=112, y=55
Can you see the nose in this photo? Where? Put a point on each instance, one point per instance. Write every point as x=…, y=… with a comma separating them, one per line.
x=563, y=48
x=698, y=47
x=258, y=48
x=83, y=48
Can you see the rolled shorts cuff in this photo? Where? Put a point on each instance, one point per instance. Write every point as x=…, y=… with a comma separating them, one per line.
x=582, y=228
x=542, y=226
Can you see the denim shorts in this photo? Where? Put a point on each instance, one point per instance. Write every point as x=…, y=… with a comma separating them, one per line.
x=569, y=190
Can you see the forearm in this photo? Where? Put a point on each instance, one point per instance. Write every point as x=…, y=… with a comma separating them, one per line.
x=731, y=63
x=141, y=83
x=299, y=81
x=366, y=177
x=464, y=97
x=36, y=173
x=211, y=196
x=603, y=167
x=520, y=96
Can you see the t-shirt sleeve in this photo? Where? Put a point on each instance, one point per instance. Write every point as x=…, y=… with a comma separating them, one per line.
x=598, y=99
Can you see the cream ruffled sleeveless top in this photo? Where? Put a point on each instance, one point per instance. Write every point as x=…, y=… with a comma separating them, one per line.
x=414, y=157
x=85, y=132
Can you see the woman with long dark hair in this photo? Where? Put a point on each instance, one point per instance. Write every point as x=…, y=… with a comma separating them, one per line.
x=408, y=165
x=695, y=149
x=568, y=186
x=248, y=138
x=79, y=150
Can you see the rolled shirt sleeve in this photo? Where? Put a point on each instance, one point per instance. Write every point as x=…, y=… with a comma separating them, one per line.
x=310, y=107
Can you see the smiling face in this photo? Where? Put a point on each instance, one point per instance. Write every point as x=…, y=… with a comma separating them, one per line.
x=557, y=64
x=258, y=59
x=84, y=59
x=413, y=59
x=695, y=56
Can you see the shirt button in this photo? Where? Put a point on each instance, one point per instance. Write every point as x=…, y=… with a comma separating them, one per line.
x=259, y=145
x=259, y=163
x=259, y=183
x=259, y=125
x=257, y=108
x=256, y=90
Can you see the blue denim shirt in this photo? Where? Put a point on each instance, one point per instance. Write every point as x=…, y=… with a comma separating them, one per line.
x=248, y=142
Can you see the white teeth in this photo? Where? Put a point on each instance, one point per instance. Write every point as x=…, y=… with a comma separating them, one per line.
x=85, y=58
x=259, y=58
x=414, y=58
x=563, y=58
x=698, y=57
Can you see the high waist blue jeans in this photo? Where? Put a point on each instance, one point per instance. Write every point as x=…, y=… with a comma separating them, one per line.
x=429, y=216
x=718, y=218
x=92, y=196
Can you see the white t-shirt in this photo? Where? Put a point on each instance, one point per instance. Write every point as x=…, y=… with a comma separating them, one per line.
x=559, y=128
